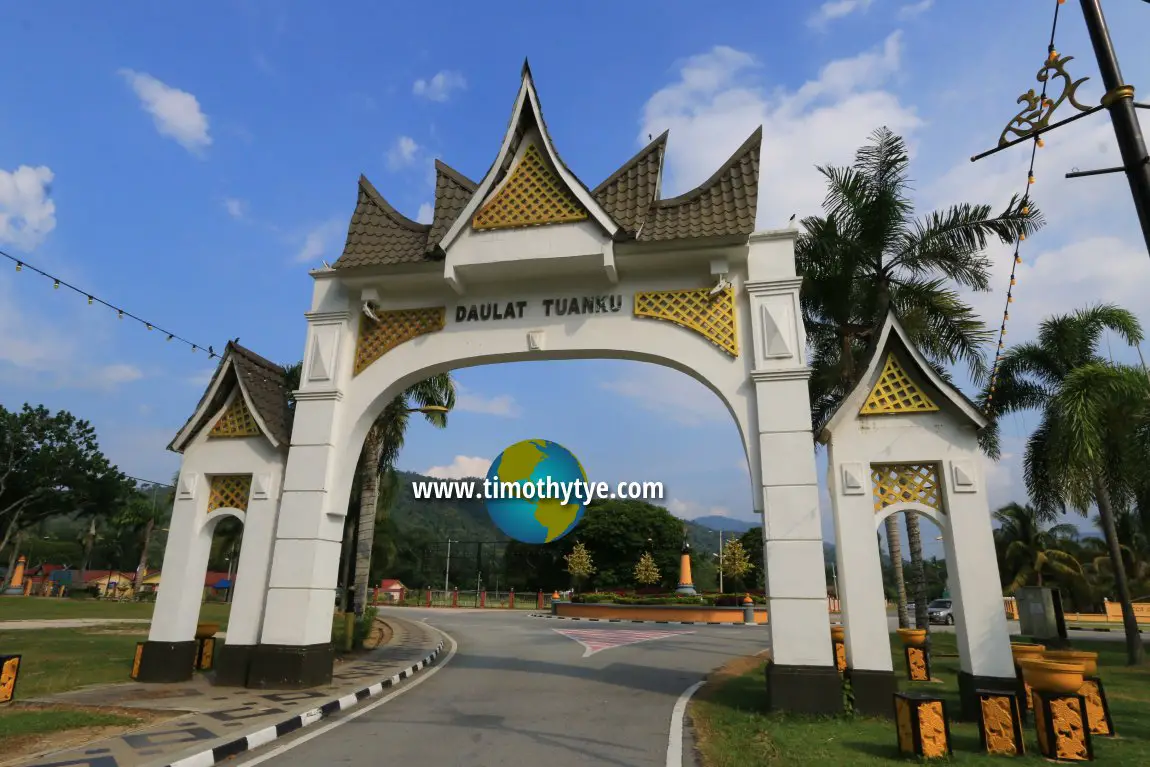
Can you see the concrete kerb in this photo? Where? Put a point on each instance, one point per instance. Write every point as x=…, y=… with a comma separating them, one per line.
x=307, y=718
x=1104, y=630
x=666, y=623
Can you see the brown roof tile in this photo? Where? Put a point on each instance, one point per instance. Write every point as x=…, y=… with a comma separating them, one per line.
x=629, y=192
x=265, y=384
x=453, y=190
x=379, y=234
x=724, y=204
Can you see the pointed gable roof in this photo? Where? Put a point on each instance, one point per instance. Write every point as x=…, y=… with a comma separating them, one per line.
x=379, y=234
x=628, y=193
x=894, y=340
x=453, y=190
x=261, y=383
x=725, y=204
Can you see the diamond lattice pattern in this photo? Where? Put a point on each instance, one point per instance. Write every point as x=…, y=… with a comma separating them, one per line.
x=229, y=491
x=905, y=483
x=394, y=327
x=237, y=420
x=534, y=195
x=711, y=317
x=895, y=392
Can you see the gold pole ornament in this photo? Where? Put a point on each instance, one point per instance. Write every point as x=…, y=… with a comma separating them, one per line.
x=1038, y=109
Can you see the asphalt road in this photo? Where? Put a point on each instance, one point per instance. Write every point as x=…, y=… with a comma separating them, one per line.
x=517, y=691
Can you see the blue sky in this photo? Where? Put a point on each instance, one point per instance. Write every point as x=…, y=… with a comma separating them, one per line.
x=191, y=165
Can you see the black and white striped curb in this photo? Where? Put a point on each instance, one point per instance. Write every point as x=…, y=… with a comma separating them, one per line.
x=631, y=620
x=1086, y=628
x=262, y=737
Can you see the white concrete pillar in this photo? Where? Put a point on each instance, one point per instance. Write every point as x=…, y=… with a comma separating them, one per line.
x=185, y=561
x=245, y=616
x=972, y=567
x=863, y=599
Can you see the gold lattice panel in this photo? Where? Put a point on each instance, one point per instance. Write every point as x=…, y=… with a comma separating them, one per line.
x=237, y=420
x=394, y=327
x=712, y=317
x=905, y=483
x=533, y=195
x=895, y=392
x=229, y=491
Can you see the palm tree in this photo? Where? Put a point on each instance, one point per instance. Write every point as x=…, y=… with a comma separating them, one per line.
x=1030, y=551
x=869, y=254
x=1091, y=444
x=433, y=397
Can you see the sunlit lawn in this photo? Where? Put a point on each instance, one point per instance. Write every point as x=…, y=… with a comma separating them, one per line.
x=733, y=730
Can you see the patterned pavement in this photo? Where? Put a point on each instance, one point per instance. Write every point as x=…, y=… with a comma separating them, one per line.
x=204, y=717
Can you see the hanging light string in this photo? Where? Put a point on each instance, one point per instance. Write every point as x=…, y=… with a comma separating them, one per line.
x=57, y=283
x=1051, y=54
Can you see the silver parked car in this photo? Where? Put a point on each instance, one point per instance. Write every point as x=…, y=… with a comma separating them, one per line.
x=941, y=611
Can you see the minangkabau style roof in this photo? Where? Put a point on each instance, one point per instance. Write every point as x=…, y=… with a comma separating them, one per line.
x=263, y=386
x=914, y=369
x=626, y=204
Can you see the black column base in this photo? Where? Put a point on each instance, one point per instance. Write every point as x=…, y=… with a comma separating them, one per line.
x=816, y=690
x=231, y=665
x=969, y=686
x=290, y=667
x=873, y=691
x=166, y=661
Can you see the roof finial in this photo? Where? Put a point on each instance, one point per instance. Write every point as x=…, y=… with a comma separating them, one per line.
x=526, y=71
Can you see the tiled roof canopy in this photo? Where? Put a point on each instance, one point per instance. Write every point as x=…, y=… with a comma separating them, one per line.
x=722, y=206
x=264, y=382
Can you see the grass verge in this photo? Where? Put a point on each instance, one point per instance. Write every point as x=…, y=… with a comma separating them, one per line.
x=47, y=608
x=733, y=730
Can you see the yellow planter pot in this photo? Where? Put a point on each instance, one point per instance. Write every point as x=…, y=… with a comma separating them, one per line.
x=1089, y=660
x=912, y=637
x=1051, y=677
x=838, y=633
x=1021, y=650
x=205, y=630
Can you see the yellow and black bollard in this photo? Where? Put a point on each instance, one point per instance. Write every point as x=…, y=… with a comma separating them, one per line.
x=1097, y=709
x=1000, y=723
x=9, y=672
x=838, y=640
x=917, y=658
x=1060, y=718
x=923, y=728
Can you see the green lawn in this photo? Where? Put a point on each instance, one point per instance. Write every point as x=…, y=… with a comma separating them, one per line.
x=16, y=722
x=733, y=730
x=46, y=608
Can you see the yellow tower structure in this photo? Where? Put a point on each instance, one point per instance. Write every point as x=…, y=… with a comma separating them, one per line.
x=686, y=586
x=17, y=584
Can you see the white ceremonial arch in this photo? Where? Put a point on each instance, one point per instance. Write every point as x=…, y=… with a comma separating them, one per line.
x=526, y=264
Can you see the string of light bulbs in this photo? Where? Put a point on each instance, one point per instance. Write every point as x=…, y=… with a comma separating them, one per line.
x=1052, y=55
x=57, y=283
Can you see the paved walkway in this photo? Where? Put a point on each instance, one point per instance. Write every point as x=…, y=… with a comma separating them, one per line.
x=204, y=717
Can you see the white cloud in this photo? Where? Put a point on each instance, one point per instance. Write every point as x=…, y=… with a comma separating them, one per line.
x=402, y=153
x=323, y=239
x=693, y=510
x=176, y=113
x=27, y=214
x=472, y=402
x=426, y=213
x=836, y=9
x=439, y=87
x=911, y=10
x=237, y=209
x=716, y=104
x=463, y=467
x=671, y=394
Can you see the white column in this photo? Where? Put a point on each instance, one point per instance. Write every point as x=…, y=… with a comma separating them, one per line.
x=185, y=562
x=245, y=615
x=862, y=599
x=792, y=529
x=309, y=532
x=972, y=567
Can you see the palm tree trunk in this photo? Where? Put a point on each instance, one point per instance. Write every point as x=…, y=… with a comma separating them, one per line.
x=1135, y=652
x=368, y=498
x=894, y=546
x=917, y=571
x=142, y=569
x=89, y=544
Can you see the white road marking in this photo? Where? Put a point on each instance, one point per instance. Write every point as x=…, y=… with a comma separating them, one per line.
x=419, y=679
x=596, y=640
x=675, y=738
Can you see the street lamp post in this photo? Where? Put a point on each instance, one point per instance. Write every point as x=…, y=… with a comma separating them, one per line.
x=720, y=561
x=447, y=569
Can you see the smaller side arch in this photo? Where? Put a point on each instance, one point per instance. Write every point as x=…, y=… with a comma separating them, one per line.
x=934, y=515
x=213, y=518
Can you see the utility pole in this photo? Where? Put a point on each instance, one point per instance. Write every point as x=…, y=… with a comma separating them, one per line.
x=447, y=570
x=1119, y=101
x=720, y=561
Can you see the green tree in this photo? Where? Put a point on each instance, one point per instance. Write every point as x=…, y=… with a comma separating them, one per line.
x=432, y=397
x=646, y=571
x=579, y=563
x=139, y=517
x=752, y=543
x=868, y=255
x=1087, y=449
x=1029, y=551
